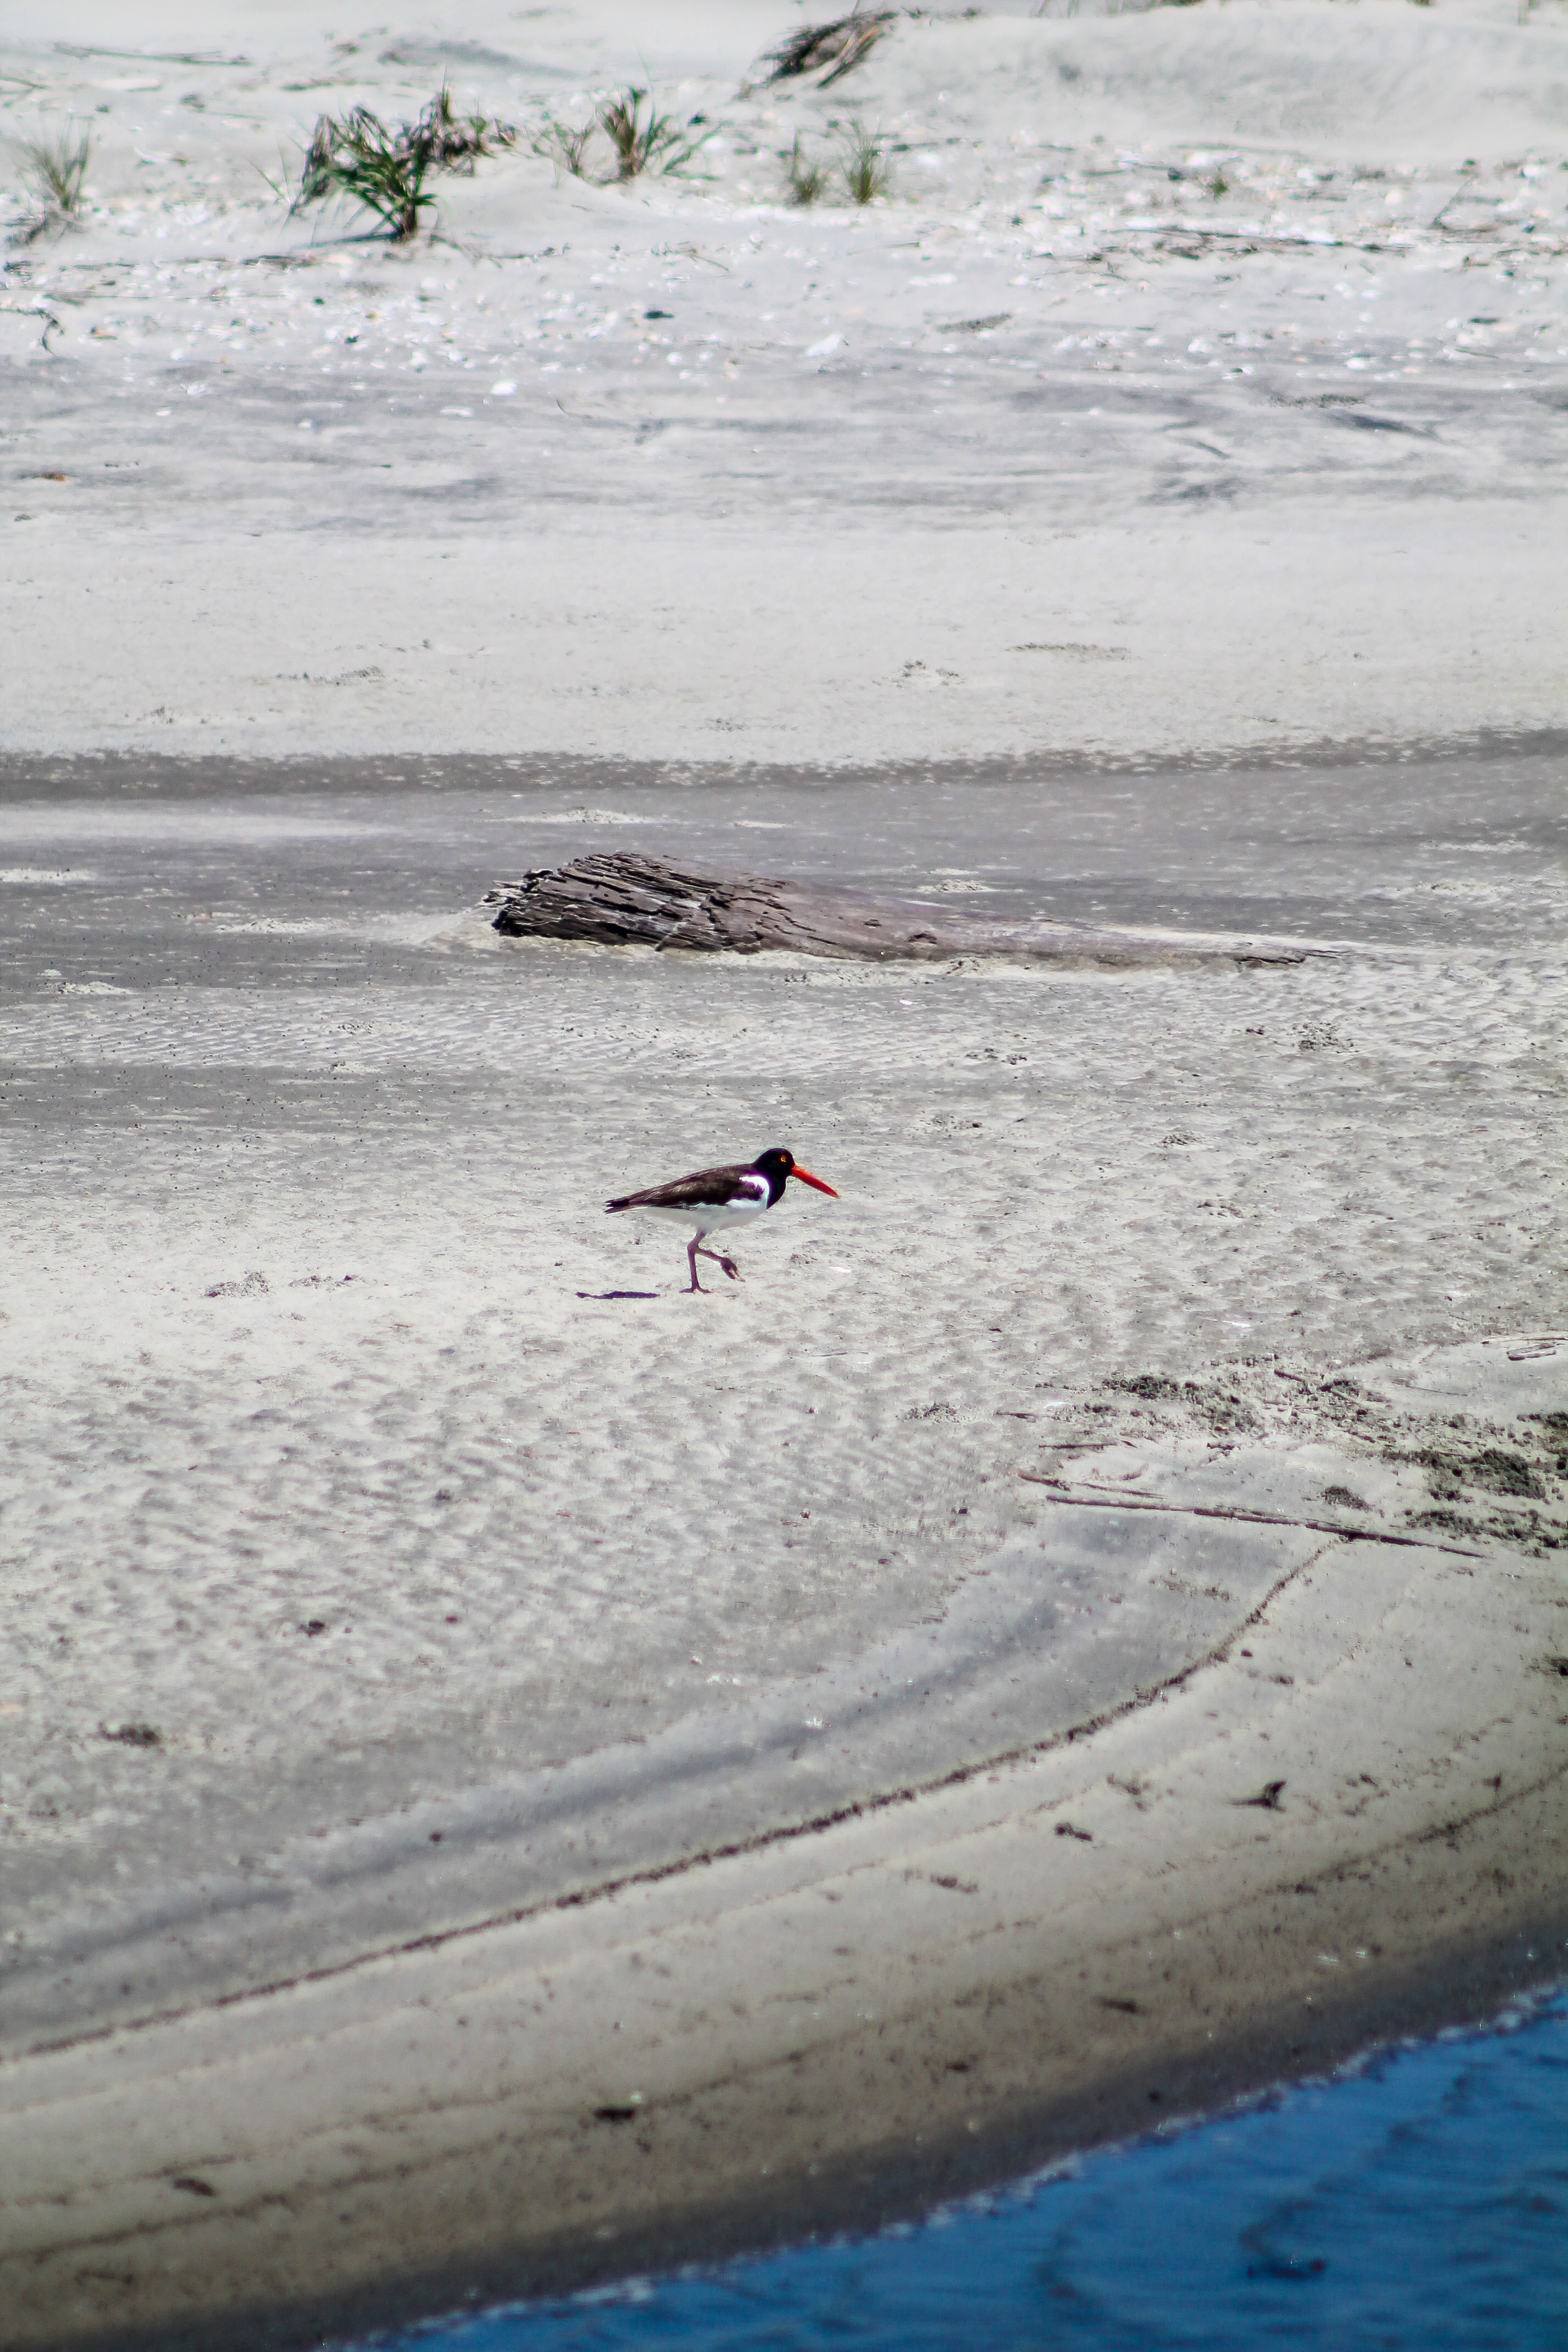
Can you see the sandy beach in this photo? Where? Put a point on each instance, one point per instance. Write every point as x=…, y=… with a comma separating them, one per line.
x=1050, y=448
x=493, y=1745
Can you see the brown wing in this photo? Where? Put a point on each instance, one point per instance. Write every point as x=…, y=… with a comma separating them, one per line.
x=709, y=1189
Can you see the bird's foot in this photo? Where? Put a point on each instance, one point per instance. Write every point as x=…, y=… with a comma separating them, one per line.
x=730, y=1268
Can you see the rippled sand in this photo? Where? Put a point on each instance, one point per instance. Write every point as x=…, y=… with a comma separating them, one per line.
x=354, y=1449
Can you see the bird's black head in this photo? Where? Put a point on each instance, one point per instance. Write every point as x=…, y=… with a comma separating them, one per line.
x=778, y=1166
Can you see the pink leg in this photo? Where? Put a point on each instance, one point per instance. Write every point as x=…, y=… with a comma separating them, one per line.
x=730, y=1268
x=692, y=1248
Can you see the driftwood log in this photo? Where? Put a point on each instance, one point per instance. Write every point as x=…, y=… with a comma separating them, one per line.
x=619, y=899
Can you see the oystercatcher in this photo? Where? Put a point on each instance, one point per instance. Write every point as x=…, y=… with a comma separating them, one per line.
x=716, y=1197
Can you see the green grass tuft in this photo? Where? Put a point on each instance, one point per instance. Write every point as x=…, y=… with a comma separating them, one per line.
x=385, y=167
x=867, y=171
x=567, y=147
x=58, y=169
x=638, y=142
x=806, y=176
x=655, y=145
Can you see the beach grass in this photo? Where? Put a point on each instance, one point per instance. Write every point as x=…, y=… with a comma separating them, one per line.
x=386, y=167
x=838, y=48
x=57, y=170
x=638, y=141
x=567, y=146
x=654, y=142
x=867, y=173
x=806, y=176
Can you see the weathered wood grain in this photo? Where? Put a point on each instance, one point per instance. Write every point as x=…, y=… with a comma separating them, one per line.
x=618, y=899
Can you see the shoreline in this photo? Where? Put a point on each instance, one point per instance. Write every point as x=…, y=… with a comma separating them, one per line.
x=903, y=2182
x=429, y=2098
x=909, y=2179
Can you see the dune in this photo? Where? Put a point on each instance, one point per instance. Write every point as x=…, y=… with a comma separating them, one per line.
x=1195, y=386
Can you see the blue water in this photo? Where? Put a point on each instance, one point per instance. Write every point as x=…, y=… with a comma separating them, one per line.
x=1418, y=2200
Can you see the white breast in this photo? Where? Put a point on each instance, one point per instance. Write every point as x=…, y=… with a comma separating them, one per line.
x=744, y=1210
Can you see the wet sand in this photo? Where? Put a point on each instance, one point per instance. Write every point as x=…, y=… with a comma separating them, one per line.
x=832, y=2031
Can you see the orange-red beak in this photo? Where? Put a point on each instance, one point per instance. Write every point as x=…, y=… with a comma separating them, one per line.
x=816, y=1182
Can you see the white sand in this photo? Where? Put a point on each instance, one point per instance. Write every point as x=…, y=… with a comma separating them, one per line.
x=852, y=500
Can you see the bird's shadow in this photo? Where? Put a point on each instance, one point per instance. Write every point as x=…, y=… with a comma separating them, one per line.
x=617, y=1294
